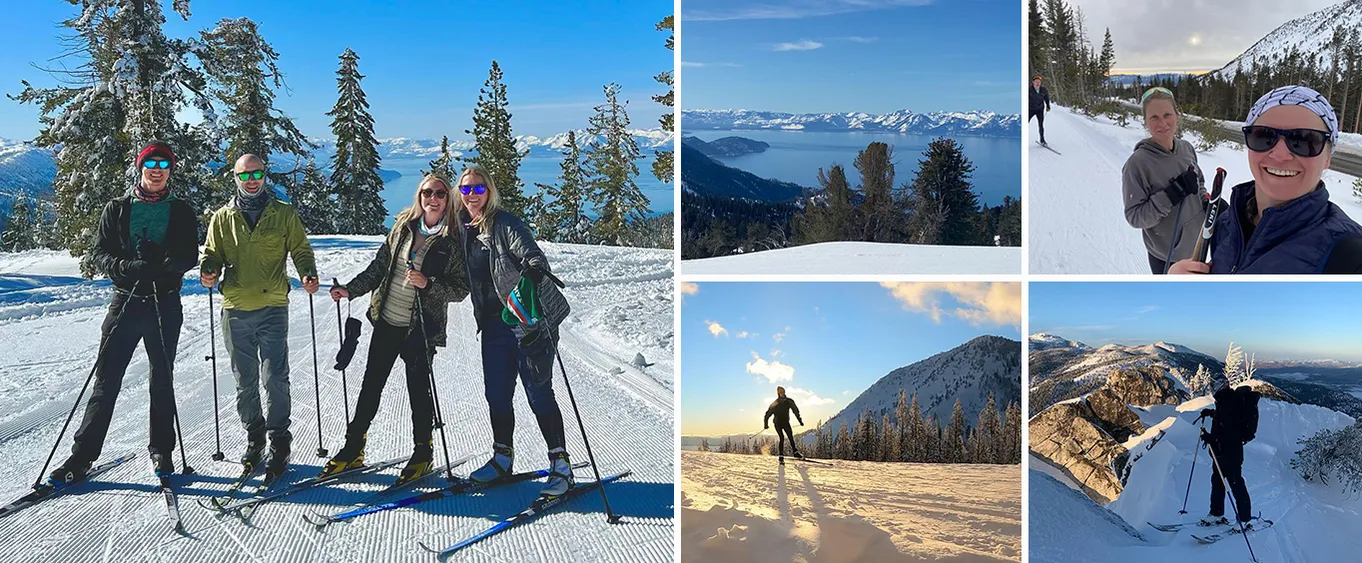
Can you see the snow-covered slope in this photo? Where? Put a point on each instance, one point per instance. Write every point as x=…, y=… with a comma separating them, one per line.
x=968, y=372
x=1077, y=216
x=863, y=258
x=1042, y=341
x=622, y=305
x=1310, y=34
x=745, y=508
x=25, y=170
x=974, y=123
x=1314, y=522
x=1062, y=369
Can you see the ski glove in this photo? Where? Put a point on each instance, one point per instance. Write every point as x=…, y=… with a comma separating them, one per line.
x=1182, y=185
x=348, y=346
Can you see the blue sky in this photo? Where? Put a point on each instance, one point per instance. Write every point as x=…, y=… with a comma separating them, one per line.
x=825, y=342
x=424, y=61
x=875, y=56
x=1277, y=320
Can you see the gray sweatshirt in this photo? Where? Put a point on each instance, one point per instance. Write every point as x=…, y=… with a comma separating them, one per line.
x=1147, y=172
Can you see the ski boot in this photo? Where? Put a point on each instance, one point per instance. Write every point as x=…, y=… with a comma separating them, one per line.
x=499, y=466
x=255, y=452
x=280, y=449
x=782, y=460
x=163, y=465
x=70, y=472
x=349, y=457
x=560, y=474
x=1210, y=520
x=418, y=465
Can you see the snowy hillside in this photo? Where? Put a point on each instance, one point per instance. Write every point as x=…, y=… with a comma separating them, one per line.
x=1313, y=521
x=1077, y=216
x=1042, y=341
x=622, y=305
x=747, y=509
x=968, y=372
x=863, y=258
x=1309, y=34
x=974, y=123
x=1063, y=369
x=24, y=169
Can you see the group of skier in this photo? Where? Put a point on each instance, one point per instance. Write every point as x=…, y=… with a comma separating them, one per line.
x=454, y=241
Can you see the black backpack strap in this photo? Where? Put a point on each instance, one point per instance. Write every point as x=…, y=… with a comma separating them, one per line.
x=1346, y=257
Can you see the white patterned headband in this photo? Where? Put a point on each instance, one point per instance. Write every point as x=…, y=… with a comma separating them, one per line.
x=1298, y=96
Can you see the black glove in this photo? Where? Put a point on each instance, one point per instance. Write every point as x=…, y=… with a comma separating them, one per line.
x=1205, y=436
x=1182, y=185
x=766, y=427
x=535, y=274
x=348, y=346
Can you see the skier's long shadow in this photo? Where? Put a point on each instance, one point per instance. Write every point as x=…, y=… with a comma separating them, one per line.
x=783, y=499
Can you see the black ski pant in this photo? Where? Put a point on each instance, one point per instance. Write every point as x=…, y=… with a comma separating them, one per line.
x=1159, y=267
x=782, y=430
x=504, y=362
x=1039, y=114
x=138, y=324
x=1229, y=455
x=387, y=344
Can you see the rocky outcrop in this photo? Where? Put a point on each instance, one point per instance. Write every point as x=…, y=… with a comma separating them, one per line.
x=1144, y=386
x=1071, y=437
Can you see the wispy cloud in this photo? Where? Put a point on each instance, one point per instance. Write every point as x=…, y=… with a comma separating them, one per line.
x=995, y=303
x=793, y=10
x=777, y=352
x=716, y=329
x=745, y=334
x=859, y=39
x=695, y=64
x=559, y=105
x=1147, y=309
x=773, y=370
x=803, y=397
x=687, y=288
x=801, y=45
x=1064, y=329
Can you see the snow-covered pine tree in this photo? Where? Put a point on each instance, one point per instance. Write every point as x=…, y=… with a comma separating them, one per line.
x=953, y=443
x=989, y=432
x=916, y=432
x=1250, y=369
x=354, y=167
x=243, y=73
x=125, y=91
x=312, y=199
x=662, y=165
x=843, y=445
x=19, y=230
x=611, y=168
x=933, y=448
x=494, y=145
x=566, y=220
x=1201, y=381
x=886, y=439
x=901, y=415
x=444, y=165
x=1234, y=365
x=1012, y=431
x=1332, y=454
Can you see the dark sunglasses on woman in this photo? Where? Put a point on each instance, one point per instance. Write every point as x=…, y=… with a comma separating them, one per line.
x=477, y=189
x=437, y=194
x=154, y=164
x=1306, y=143
x=250, y=175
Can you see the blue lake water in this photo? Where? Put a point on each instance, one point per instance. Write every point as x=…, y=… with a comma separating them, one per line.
x=542, y=169
x=796, y=156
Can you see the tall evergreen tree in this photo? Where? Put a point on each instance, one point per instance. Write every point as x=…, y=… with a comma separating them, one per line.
x=1012, y=430
x=662, y=165
x=354, y=168
x=495, y=145
x=989, y=432
x=611, y=168
x=917, y=435
x=878, y=214
x=832, y=218
x=944, y=206
x=953, y=443
x=567, y=220
x=444, y=165
x=312, y=199
x=901, y=416
x=20, y=231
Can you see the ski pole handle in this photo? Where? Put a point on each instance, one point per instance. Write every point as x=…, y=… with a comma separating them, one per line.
x=1203, y=243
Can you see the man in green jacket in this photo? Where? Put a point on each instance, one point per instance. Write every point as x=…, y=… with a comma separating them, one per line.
x=248, y=240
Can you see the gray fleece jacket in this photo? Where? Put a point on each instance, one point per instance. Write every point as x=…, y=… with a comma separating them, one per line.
x=1147, y=172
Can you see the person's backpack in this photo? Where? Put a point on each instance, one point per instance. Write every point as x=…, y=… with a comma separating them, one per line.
x=1248, y=420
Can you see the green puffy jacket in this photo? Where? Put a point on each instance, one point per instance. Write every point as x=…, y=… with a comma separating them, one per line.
x=252, y=260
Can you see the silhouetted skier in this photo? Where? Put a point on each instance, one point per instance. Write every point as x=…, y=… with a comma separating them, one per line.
x=780, y=408
x=1234, y=423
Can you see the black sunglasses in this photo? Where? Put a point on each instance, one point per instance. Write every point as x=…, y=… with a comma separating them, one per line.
x=1307, y=143
x=250, y=175
x=437, y=194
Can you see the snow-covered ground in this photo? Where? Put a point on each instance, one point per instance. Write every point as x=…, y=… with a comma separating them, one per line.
x=863, y=258
x=746, y=508
x=1313, y=521
x=1074, y=205
x=622, y=305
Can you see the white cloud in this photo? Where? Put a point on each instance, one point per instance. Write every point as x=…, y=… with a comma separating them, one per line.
x=977, y=303
x=859, y=39
x=779, y=336
x=776, y=353
x=688, y=288
x=845, y=393
x=716, y=329
x=801, y=45
x=773, y=371
x=694, y=64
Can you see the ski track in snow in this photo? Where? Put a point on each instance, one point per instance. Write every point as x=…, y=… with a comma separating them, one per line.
x=863, y=258
x=1075, y=206
x=622, y=305
x=749, y=508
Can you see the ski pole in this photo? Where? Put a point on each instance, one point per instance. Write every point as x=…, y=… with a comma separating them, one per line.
x=611, y=517
x=1233, y=505
x=340, y=333
x=437, y=418
x=1188, y=494
x=170, y=367
x=213, y=356
x=1203, y=242
x=99, y=361
x=316, y=379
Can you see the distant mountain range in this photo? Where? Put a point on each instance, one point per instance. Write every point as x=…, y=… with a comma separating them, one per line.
x=1309, y=34
x=968, y=373
x=974, y=123
x=701, y=174
x=725, y=146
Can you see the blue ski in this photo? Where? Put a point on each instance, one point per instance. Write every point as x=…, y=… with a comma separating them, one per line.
x=538, y=507
x=264, y=495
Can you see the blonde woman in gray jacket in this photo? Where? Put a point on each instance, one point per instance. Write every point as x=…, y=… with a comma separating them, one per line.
x=1163, y=188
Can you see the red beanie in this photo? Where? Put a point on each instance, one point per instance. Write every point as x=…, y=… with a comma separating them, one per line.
x=156, y=149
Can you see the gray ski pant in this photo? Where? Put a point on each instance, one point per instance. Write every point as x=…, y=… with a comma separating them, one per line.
x=258, y=342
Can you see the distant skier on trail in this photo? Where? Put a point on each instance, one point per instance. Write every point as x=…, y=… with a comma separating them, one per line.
x=248, y=241
x=1039, y=98
x=1162, y=185
x=1234, y=424
x=145, y=241
x=1282, y=221
x=780, y=409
